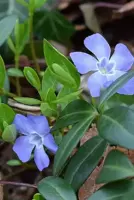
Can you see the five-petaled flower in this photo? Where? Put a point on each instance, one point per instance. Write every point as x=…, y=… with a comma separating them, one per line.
x=36, y=135
x=106, y=69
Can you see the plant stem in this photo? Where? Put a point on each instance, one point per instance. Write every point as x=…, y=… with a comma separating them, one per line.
x=17, y=184
x=18, y=88
x=32, y=42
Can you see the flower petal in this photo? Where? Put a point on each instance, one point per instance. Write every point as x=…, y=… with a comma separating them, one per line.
x=95, y=83
x=41, y=158
x=122, y=57
x=83, y=62
x=116, y=75
x=22, y=124
x=97, y=44
x=128, y=88
x=40, y=124
x=49, y=142
x=23, y=148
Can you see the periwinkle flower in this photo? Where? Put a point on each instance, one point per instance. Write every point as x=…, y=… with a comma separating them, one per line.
x=36, y=135
x=106, y=69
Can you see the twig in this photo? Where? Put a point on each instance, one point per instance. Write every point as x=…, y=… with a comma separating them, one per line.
x=17, y=184
x=108, y=5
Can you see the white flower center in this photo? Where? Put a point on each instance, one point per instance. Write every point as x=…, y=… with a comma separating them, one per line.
x=106, y=67
x=36, y=139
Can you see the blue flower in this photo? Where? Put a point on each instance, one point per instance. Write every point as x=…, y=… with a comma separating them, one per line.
x=106, y=69
x=36, y=135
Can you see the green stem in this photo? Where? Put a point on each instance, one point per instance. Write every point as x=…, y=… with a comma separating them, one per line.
x=18, y=88
x=9, y=94
x=32, y=42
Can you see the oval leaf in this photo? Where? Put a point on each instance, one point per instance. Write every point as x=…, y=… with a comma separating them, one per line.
x=116, y=126
x=15, y=72
x=2, y=73
x=113, y=191
x=74, y=112
x=28, y=101
x=9, y=134
x=32, y=77
x=54, y=188
x=84, y=161
x=69, y=142
x=117, y=166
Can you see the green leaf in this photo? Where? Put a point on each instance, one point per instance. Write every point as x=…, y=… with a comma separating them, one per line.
x=2, y=73
x=15, y=72
x=14, y=162
x=51, y=96
x=74, y=112
x=84, y=161
x=32, y=77
x=116, y=126
x=38, y=196
x=21, y=33
x=55, y=188
x=39, y=3
x=49, y=110
x=48, y=82
x=62, y=76
x=28, y=101
x=54, y=57
x=112, y=89
x=6, y=114
x=113, y=191
x=69, y=142
x=11, y=45
x=117, y=166
x=56, y=26
x=6, y=26
x=68, y=97
x=9, y=134
x=23, y=3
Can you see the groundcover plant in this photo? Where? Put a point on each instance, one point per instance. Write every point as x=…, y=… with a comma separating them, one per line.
x=51, y=138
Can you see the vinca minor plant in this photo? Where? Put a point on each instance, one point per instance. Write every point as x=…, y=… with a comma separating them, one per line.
x=51, y=138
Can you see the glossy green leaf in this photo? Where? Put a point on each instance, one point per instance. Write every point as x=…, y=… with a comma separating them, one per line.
x=2, y=72
x=113, y=191
x=23, y=3
x=69, y=142
x=39, y=3
x=84, y=161
x=32, y=77
x=48, y=82
x=57, y=27
x=112, y=89
x=6, y=114
x=55, y=188
x=9, y=134
x=27, y=100
x=74, y=112
x=14, y=163
x=11, y=44
x=6, y=26
x=15, y=72
x=68, y=97
x=116, y=125
x=21, y=32
x=54, y=57
x=62, y=76
x=49, y=109
x=117, y=166
x=38, y=196
x=51, y=96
